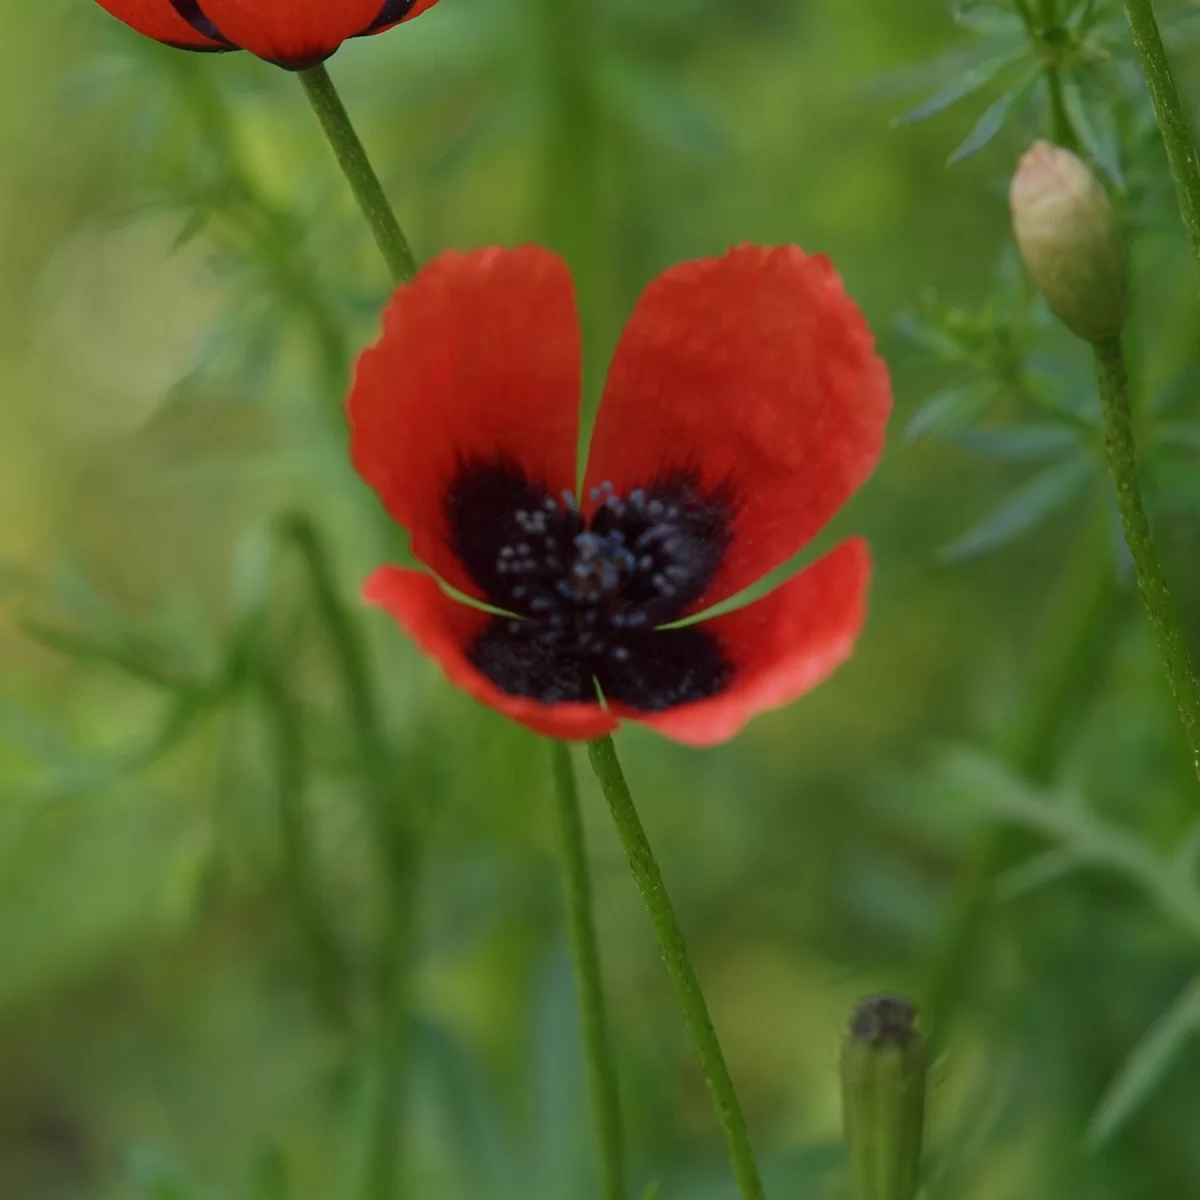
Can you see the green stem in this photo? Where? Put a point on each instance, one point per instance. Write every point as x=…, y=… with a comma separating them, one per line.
x=572, y=188
x=269, y=228
x=351, y=156
x=1075, y=649
x=577, y=894
x=1064, y=131
x=394, y=841
x=300, y=877
x=1122, y=465
x=650, y=883
x=1173, y=122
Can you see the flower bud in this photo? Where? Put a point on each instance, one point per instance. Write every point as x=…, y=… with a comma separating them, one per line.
x=1067, y=233
x=883, y=1099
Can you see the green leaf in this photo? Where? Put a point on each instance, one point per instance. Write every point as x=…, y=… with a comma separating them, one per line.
x=949, y=411
x=1144, y=1069
x=1095, y=128
x=128, y=658
x=961, y=85
x=1037, y=872
x=1028, y=507
x=994, y=116
x=988, y=19
x=1028, y=443
x=930, y=337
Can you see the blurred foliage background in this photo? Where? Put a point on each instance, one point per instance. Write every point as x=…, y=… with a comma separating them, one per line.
x=212, y=849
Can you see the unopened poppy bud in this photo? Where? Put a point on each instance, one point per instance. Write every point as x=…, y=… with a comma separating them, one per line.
x=883, y=1099
x=1067, y=233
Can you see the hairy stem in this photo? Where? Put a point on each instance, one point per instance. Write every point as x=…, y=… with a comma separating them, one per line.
x=650, y=883
x=1173, y=122
x=1122, y=465
x=356, y=166
x=577, y=894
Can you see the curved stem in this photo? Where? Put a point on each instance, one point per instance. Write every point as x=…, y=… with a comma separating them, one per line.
x=1122, y=465
x=577, y=894
x=351, y=156
x=394, y=840
x=1173, y=122
x=650, y=883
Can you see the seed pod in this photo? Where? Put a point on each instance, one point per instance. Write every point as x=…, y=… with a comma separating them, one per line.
x=883, y=1099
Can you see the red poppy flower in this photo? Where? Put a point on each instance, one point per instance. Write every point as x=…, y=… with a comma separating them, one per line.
x=291, y=33
x=744, y=405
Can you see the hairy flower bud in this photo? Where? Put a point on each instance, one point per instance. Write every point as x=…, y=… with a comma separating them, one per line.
x=1067, y=233
x=883, y=1099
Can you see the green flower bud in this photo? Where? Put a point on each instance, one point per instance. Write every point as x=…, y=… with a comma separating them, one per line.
x=1067, y=232
x=883, y=1099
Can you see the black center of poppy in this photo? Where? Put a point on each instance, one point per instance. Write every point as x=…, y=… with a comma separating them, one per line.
x=191, y=12
x=588, y=596
x=392, y=11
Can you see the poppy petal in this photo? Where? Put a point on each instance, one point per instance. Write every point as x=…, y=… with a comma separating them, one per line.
x=158, y=19
x=292, y=33
x=479, y=363
x=395, y=11
x=445, y=629
x=757, y=374
x=780, y=647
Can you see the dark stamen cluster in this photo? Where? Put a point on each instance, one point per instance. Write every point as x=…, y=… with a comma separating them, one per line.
x=588, y=596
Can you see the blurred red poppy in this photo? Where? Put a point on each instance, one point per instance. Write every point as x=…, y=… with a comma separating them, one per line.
x=291, y=33
x=744, y=405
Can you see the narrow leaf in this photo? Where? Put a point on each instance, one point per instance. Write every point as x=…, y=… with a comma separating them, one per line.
x=1026, y=508
x=960, y=86
x=994, y=116
x=929, y=337
x=1027, y=443
x=1039, y=871
x=1095, y=129
x=989, y=20
x=1144, y=1069
x=128, y=659
x=948, y=411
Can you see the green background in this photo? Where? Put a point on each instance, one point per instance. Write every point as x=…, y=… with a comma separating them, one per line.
x=162, y=404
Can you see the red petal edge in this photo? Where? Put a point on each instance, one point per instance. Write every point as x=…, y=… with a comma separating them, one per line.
x=290, y=32
x=757, y=370
x=443, y=628
x=480, y=356
x=783, y=646
x=158, y=19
